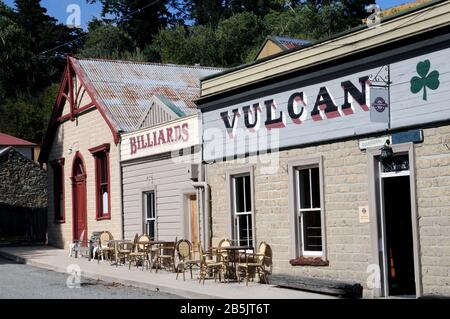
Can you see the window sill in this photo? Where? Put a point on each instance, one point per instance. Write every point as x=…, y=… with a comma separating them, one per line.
x=108, y=217
x=309, y=261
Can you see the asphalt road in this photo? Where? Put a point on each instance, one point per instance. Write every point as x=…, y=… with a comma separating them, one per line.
x=18, y=281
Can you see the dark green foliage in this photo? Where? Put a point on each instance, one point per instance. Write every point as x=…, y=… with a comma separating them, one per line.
x=26, y=75
x=225, y=33
x=141, y=19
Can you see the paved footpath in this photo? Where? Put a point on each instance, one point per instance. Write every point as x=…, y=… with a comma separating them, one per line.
x=18, y=281
x=57, y=260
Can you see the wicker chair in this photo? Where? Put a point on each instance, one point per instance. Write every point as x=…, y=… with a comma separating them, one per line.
x=260, y=263
x=216, y=267
x=140, y=253
x=186, y=257
x=166, y=255
x=103, y=247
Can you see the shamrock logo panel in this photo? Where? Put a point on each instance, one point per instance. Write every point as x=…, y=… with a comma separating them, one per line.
x=424, y=80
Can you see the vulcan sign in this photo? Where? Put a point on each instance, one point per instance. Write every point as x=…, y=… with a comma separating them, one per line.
x=298, y=108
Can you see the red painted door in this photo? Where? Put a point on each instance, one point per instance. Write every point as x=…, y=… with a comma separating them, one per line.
x=79, y=201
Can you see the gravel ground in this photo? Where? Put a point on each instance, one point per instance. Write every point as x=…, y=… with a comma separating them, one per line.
x=18, y=281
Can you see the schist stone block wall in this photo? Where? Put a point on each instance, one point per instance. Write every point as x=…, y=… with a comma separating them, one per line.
x=22, y=182
x=345, y=189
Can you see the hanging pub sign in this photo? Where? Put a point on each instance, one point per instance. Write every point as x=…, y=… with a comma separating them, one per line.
x=379, y=102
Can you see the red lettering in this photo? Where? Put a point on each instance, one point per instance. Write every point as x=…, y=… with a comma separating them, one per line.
x=169, y=135
x=161, y=139
x=177, y=133
x=133, y=145
x=185, y=132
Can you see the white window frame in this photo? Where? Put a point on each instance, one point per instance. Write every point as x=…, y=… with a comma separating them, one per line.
x=146, y=195
x=300, y=211
x=230, y=175
x=236, y=227
x=296, y=223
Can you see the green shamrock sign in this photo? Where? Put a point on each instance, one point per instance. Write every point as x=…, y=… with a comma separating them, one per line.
x=424, y=80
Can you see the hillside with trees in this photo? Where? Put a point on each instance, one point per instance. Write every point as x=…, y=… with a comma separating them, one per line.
x=226, y=33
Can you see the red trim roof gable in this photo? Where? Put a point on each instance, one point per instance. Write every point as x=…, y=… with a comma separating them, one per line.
x=72, y=66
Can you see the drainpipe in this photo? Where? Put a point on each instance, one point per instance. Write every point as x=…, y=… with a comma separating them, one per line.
x=205, y=207
x=122, y=230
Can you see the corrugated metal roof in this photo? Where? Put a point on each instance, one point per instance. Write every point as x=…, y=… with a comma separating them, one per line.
x=125, y=88
x=290, y=43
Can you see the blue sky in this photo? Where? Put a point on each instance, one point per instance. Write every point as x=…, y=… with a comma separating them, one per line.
x=57, y=8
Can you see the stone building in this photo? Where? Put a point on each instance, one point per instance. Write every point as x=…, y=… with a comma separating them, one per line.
x=98, y=101
x=23, y=196
x=337, y=154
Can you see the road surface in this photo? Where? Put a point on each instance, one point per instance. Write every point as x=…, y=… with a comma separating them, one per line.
x=18, y=281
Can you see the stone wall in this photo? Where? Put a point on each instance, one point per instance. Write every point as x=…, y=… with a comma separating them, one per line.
x=22, y=182
x=346, y=187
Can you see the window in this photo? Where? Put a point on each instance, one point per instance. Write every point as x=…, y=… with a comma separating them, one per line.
x=309, y=211
x=101, y=156
x=58, y=190
x=242, y=210
x=150, y=214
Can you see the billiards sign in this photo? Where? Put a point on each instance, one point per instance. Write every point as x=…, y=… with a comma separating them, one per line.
x=167, y=137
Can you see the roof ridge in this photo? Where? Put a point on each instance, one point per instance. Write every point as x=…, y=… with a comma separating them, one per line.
x=150, y=63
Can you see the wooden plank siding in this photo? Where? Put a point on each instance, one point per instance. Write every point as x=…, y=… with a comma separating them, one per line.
x=170, y=180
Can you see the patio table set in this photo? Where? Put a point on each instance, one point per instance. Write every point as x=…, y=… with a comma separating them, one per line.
x=226, y=261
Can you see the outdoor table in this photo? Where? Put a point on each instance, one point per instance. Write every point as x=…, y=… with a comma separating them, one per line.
x=233, y=251
x=116, y=243
x=148, y=248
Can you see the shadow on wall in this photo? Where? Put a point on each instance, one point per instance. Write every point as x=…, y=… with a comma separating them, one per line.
x=22, y=224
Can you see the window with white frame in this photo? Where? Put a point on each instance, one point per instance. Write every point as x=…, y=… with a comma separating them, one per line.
x=150, y=214
x=242, y=210
x=309, y=210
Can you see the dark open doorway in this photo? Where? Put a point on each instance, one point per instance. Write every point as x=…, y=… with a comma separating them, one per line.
x=399, y=236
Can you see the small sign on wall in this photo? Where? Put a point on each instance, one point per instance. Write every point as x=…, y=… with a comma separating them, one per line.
x=364, y=214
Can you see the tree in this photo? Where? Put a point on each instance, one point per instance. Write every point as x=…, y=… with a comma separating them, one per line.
x=353, y=11
x=141, y=19
x=106, y=41
x=237, y=36
x=227, y=45
x=13, y=58
x=26, y=116
x=211, y=12
x=195, y=45
x=27, y=74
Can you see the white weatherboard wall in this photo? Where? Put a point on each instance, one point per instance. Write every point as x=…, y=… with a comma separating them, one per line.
x=157, y=168
x=407, y=109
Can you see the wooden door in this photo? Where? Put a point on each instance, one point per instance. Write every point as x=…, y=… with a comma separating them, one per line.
x=194, y=225
x=79, y=201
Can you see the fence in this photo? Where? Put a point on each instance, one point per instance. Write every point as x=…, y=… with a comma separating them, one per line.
x=23, y=223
